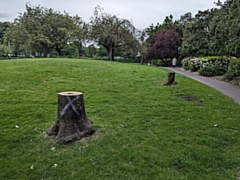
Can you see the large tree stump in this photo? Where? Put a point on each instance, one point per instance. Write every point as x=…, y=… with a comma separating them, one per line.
x=72, y=122
x=171, y=79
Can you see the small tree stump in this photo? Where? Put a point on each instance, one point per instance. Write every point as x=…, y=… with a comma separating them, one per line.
x=72, y=122
x=171, y=79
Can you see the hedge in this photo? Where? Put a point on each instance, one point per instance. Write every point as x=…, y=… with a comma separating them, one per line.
x=195, y=64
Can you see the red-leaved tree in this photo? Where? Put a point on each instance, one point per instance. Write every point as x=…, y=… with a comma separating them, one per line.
x=164, y=44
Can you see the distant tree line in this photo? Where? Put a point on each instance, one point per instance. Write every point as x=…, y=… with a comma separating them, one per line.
x=43, y=31
x=214, y=32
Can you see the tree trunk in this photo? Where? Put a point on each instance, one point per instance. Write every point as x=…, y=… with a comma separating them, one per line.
x=111, y=53
x=59, y=50
x=171, y=79
x=142, y=59
x=80, y=49
x=72, y=122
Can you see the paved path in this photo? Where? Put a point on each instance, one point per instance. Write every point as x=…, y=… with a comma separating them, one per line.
x=225, y=88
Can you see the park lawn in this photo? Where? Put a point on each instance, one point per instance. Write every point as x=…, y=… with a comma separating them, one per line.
x=145, y=130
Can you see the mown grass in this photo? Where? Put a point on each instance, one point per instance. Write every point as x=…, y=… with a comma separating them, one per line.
x=145, y=130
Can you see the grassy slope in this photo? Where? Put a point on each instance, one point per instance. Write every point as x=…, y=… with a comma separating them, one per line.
x=144, y=130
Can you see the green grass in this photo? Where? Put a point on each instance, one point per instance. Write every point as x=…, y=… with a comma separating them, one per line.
x=144, y=130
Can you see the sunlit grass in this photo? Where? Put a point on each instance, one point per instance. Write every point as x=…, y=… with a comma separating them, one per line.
x=144, y=130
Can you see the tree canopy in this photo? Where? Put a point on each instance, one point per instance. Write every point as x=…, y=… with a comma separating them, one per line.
x=111, y=32
x=212, y=32
x=163, y=40
x=41, y=29
x=164, y=44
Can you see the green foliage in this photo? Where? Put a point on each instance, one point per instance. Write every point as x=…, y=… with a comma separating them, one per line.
x=3, y=28
x=195, y=34
x=161, y=62
x=192, y=64
x=210, y=62
x=92, y=50
x=212, y=71
x=233, y=45
x=167, y=24
x=111, y=32
x=211, y=32
x=5, y=50
x=215, y=61
x=232, y=75
x=234, y=65
x=233, y=70
x=40, y=29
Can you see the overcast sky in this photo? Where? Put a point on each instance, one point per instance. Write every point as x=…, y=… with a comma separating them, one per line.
x=142, y=12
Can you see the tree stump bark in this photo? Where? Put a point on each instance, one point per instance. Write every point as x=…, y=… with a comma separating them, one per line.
x=171, y=79
x=71, y=123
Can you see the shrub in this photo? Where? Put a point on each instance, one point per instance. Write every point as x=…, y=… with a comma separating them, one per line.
x=192, y=64
x=215, y=61
x=234, y=65
x=185, y=63
x=195, y=64
x=160, y=62
x=212, y=71
x=232, y=75
x=208, y=72
x=233, y=70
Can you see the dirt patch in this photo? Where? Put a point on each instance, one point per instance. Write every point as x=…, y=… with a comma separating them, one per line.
x=219, y=78
x=190, y=98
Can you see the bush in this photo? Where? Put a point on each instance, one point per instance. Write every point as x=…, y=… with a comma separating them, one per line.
x=233, y=70
x=212, y=71
x=207, y=66
x=192, y=64
x=215, y=61
x=185, y=63
x=232, y=75
x=160, y=62
x=234, y=65
x=208, y=72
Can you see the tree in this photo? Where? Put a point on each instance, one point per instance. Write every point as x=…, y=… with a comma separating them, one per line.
x=183, y=22
x=18, y=38
x=80, y=34
x=92, y=50
x=233, y=44
x=225, y=29
x=3, y=28
x=167, y=24
x=163, y=41
x=111, y=32
x=4, y=50
x=142, y=46
x=219, y=30
x=43, y=29
x=164, y=44
x=196, y=34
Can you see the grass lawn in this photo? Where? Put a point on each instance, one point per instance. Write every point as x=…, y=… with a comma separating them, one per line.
x=144, y=130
